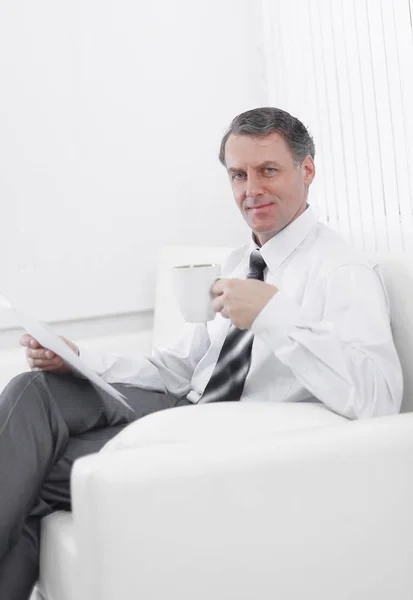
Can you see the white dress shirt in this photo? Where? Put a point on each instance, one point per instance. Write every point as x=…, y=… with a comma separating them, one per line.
x=323, y=337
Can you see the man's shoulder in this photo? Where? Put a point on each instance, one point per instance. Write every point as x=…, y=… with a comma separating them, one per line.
x=332, y=251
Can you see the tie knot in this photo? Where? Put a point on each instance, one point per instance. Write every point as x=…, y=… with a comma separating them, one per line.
x=257, y=266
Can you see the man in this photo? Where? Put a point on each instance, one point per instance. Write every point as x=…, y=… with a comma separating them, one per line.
x=300, y=317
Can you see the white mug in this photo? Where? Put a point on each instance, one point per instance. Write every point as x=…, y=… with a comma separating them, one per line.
x=192, y=285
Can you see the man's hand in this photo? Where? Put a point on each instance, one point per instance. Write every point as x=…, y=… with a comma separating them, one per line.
x=241, y=300
x=42, y=359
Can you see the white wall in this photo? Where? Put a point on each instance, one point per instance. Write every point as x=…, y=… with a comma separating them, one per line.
x=345, y=68
x=103, y=159
x=111, y=114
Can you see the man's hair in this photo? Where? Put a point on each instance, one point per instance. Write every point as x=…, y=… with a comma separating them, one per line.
x=266, y=120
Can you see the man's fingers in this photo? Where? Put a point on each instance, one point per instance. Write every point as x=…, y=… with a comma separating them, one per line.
x=218, y=287
x=29, y=341
x=217, y=304
x=40, y=353
x=42, y=357
x=45, y=365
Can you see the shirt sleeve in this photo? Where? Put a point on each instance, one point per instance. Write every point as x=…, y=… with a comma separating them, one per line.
x=169, y=369
x=348, y=359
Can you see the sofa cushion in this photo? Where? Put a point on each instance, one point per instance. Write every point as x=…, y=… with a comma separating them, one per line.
x=57, y=558
x=398, y=276
x=225, y=421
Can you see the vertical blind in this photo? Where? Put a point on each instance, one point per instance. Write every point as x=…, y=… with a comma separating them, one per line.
x=345, y=68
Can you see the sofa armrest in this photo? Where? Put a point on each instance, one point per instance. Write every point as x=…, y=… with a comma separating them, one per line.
x=322, y=513
x=223, y=421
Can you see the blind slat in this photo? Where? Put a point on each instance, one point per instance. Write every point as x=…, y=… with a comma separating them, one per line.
x=344, y=67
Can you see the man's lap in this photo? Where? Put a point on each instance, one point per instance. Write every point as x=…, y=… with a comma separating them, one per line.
x=143, y=402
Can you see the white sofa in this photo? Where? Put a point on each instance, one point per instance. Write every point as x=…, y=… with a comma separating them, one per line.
x=243, y=501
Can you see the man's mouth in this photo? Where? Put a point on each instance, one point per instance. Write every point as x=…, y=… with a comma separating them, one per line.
x=259, y=206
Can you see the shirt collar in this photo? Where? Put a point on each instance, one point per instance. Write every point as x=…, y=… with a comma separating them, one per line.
x=279, y=247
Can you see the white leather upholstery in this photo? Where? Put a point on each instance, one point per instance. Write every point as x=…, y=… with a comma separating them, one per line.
x=323, y=514
x=58, y=577
x=224, y=421
x=243, y=500
x=398, y=275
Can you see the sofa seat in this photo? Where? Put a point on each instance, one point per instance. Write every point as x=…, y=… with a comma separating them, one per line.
x=58, y=558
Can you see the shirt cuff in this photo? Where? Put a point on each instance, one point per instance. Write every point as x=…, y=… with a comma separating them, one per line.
x=278, y=317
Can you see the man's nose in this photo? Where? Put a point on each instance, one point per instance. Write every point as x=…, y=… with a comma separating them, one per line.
x=254, y=187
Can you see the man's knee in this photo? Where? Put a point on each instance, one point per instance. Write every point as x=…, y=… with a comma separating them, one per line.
x=26, y=378
x=20, y=383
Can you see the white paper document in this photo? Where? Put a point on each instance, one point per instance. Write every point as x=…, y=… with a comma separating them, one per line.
x=45, y=335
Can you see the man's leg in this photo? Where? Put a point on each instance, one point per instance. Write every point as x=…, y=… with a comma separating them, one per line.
x=46, y=421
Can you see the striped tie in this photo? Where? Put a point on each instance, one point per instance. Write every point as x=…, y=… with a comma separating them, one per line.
x=228, y=378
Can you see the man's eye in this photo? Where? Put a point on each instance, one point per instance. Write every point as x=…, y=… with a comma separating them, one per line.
x=270, y=170
x=238, y=176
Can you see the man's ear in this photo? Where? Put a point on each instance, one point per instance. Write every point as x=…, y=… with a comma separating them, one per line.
x=308, y=168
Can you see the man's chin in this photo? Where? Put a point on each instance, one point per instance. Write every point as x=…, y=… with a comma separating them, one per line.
x=262, y=229
x=262, y=235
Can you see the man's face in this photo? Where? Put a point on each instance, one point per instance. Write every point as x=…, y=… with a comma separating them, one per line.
x=269, y=188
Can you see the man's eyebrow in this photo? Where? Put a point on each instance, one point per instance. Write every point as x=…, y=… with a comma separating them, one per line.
x=263, y=165
x=268, y=163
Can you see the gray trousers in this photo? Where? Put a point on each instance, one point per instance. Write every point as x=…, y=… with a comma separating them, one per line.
x=46, y=422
